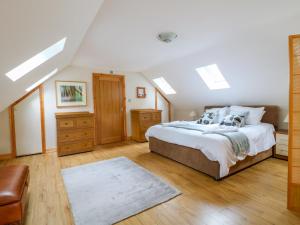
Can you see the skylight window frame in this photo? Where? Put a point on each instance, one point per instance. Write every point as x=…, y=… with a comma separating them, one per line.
x=164, y=86
x=212, y=77
x=42, y=80
x=37, y=60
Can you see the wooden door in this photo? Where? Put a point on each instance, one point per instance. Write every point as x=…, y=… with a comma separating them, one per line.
x=294, y=125
x=109, y=104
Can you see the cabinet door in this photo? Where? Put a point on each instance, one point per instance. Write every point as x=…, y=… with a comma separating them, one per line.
x=28, y=125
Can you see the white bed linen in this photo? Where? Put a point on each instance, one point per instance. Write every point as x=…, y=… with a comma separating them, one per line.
x=217, y=147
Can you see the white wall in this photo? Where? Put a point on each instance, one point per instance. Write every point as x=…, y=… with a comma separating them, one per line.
x=162, y=104
x=5, y=146
x=73, y=73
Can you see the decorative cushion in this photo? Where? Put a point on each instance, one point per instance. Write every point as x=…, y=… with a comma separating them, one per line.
x=234, y=119
x=207, y=118
x=221, y=113
x=255, y=114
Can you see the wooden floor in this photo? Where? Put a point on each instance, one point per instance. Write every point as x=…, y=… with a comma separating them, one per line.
x=256, y=195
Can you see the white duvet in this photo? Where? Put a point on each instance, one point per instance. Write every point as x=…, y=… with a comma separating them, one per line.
x=217, y=147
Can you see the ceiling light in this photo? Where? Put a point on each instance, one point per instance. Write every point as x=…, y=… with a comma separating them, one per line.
x=36, y=60
x=213, y=77
x=164, y=86
x=42, y=80
x=167, y=37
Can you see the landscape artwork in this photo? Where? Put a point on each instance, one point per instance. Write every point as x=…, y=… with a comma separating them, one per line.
x=71, y=93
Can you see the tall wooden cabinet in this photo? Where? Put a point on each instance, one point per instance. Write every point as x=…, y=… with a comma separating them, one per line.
x=141, y=120
x=294, y=125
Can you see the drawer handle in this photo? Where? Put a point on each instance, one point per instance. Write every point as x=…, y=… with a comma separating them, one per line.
x=66, y=123
x=84, y=122
x=85, y=133
x=67, y=135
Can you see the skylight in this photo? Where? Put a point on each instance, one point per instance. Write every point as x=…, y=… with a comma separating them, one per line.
x=36, y=60
x=164, y=86
x=42, y=80
x=213, y=77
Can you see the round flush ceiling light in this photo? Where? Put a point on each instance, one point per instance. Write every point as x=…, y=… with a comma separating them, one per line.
x=167, y=37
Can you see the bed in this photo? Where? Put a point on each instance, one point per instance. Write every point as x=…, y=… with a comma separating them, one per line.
x=166, y=142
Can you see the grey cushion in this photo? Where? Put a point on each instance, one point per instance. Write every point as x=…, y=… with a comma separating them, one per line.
x=207, y=118
x=236, y=119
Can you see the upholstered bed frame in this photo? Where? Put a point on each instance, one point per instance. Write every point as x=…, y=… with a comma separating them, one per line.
x=197, y=160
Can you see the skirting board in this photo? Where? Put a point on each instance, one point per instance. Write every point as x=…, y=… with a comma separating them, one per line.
x=6, y=156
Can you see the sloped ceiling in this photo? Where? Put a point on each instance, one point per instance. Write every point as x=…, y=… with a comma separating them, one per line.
x=247, y=39
x=123, y=35
x=28, y=27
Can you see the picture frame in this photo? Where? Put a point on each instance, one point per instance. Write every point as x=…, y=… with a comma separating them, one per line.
x=141, y=92
x=71, y=93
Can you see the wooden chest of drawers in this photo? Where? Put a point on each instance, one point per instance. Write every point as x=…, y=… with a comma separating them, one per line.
x=141, y=120
x=75, y=132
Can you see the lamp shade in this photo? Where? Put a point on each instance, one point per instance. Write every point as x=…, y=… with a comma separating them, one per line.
x=286, y=120
x=193, y=113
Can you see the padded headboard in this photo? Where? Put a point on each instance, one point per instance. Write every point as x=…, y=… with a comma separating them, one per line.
x=271, y=115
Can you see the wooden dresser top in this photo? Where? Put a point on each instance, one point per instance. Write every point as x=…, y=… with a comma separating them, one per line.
x=73, y=114
x=145, y=110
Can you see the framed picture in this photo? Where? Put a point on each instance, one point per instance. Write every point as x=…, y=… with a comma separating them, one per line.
x=71, y=93
x=141, y=92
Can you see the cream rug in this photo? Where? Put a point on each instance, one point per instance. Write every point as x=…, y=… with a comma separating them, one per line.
x=109, y=191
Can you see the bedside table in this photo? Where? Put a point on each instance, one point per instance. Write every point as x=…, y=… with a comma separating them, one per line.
x=281, y=149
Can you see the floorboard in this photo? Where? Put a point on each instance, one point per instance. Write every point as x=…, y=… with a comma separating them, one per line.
x=256, y=195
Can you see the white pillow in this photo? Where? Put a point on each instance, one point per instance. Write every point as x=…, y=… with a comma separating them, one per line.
x=255, y=114
x=221, y=113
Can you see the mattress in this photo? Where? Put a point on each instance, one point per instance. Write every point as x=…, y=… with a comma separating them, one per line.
x=214, y=146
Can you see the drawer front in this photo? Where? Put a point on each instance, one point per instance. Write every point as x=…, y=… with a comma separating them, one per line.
x=66, y=123
x=87, y=133
x=282, y=138
x=66, y=136
x=282, y=149
x=156, y=117
x=281, y=152
x=85, y=122
x=145, y=117
x=74, y=135
x=73, y=147
x=144, y=127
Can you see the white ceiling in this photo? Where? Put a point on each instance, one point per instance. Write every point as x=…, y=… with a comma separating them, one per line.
x=123, y=35
x=28, y=27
